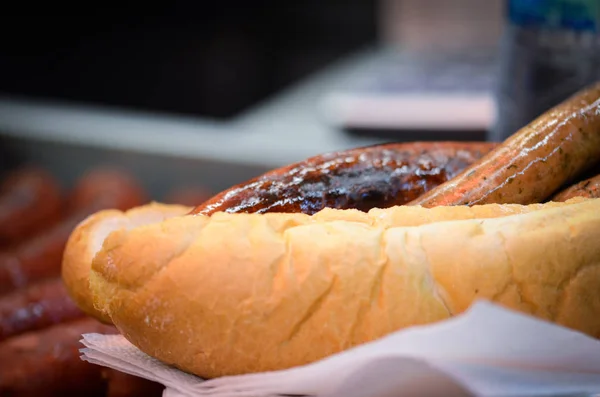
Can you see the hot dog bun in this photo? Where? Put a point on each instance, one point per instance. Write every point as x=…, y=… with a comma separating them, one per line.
x=87, y=238
x=237, y=293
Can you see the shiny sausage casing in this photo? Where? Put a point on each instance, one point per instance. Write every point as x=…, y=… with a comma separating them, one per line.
x=534, y=162
x=363, y=178
x=588, y=188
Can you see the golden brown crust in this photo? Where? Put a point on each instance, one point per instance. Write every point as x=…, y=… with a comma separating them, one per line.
x=238, y=293
x=87, y=239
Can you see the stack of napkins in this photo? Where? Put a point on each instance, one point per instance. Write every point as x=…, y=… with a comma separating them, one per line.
x=486, y=351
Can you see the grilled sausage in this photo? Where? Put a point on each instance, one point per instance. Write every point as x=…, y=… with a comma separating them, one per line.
x=533, y=163
x=376, y=176
x=47, y=362
x=121, y=384
x=30, y=200
x=189, y=195
x=589, y=188
x=106, y=187
x=40, y=257
x=39, y=306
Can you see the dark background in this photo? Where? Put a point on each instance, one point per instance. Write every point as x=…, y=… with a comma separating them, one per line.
x=213, y=59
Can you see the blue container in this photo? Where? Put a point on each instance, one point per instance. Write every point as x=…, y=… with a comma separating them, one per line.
x=550, y=49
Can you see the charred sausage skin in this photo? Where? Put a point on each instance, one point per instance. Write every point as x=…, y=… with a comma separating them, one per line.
x=363, y=178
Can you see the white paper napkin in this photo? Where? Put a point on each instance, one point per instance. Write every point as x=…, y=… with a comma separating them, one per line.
x=486, y=351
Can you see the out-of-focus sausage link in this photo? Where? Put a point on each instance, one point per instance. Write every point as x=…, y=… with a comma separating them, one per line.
x=47, y=362
x=589, y=188
x=190, y=196
x=106, y=187
x=30, y=200
x=40, y=257
x=376, y=176
x=533, y=163
x=124, y=385
x=39, y=306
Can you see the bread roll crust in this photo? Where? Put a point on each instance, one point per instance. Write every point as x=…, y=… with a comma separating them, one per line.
x=238, y=293
x=87, y=238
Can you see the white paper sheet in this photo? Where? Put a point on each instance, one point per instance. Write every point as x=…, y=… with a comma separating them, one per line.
x=486, y=351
